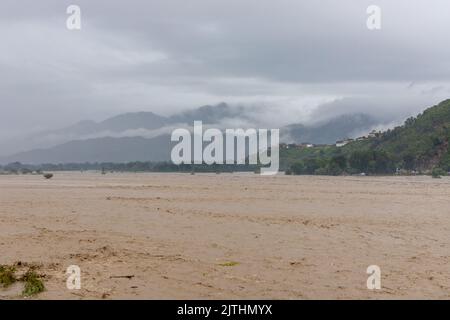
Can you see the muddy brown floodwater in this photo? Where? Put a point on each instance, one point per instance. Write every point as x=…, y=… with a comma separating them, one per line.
x=228, y=236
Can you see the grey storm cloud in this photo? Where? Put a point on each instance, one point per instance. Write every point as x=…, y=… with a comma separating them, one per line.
x=302, y=58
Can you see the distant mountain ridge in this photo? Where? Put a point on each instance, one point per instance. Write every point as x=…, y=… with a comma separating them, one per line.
x=106, y=149
x=151, y=121
x=341, y=127
x=121, y=138
x=121, y=122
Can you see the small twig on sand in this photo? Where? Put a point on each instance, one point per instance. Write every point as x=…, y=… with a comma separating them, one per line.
x=118, y=277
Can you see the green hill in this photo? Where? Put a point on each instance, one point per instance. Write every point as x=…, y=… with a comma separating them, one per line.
x=421, y=144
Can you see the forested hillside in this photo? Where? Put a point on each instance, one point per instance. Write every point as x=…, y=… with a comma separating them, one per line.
x=421, y=144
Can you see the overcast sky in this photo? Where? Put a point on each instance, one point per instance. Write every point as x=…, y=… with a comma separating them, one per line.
x=298, y=59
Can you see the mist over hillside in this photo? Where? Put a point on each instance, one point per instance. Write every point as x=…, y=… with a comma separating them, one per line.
x=145, y=136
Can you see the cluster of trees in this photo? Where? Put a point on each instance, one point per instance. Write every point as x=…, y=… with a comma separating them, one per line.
x=138, y=166
x=360, y=161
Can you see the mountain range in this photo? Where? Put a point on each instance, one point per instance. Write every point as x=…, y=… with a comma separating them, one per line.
x=145, y=136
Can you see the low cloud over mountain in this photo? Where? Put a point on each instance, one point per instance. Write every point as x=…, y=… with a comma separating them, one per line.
x=145, y=136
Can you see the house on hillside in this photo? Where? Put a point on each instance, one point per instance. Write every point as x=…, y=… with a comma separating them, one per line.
x=374, y=134
x=341, y=143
